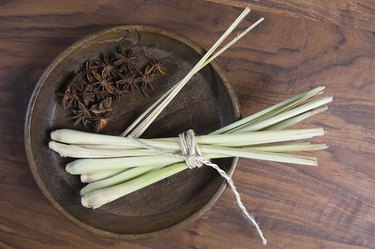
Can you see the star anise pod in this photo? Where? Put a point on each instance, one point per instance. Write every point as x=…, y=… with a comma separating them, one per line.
x=102, y=107
x=69, y=99
x=99, y=94
x=104, y=83
x=82, y=115
x=120, y=93
x=158, y=67
x=101, y=120
x=74, y=83
x=107, y=65
x=88, y=70
x=88, y=95
x=147, y=77
x=70, y=96
x=125, y=60
x=127, y=81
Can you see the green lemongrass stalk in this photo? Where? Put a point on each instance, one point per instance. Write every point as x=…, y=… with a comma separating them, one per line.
x=290, y=147
x=151, y=116
x=246, y=139
x=138, y=122
x=97, y=196
x=76, y=151
x=86, y=166
x=92, y=166
x=296, y=119
x=232, y=42
x=119, y=178
x=272, y=148
x=81, y=152
x=69, y=136
x=159, y=101
x=88, y=141
x=268, y=110
x=210, y=151
x=283, y=116
x=137, y=172
x=303, y=100
x=167, y=98
x=100, y=175
x=100, y=197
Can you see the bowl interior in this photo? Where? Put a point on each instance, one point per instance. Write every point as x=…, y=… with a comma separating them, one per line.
x=205, y=104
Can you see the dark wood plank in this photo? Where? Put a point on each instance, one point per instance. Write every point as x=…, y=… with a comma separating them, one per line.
x=354, y=14
x=331, y=206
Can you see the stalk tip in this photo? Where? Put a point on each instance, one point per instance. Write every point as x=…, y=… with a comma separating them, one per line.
x=53, y=135
x=68, y=168
x=85, y=203
x=52, y=145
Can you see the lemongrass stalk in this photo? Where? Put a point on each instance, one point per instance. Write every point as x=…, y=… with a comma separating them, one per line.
x=290, y=147
x=108, y=143
x=77, y=151
x=297, y=119
x=136, y=172
x=140, y=120
x=100, y=175
x=100, y=197
x=246, y=139
x=151, y=117
x=283, y=116
x=117, y=179
x=260, y=122
x=157, y=102
x=85, y=166
x=96, y=166
x=267, y=110
x=274, y=148
x=232, y=42
x=233, y=144
x=303, y=100
x=69, y=136
x=259, y=155
x=89, y=166
x=160, y=146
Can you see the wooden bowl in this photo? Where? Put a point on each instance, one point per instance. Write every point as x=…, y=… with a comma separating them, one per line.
x=206, y=103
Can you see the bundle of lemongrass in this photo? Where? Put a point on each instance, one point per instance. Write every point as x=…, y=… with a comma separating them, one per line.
x=114, y=166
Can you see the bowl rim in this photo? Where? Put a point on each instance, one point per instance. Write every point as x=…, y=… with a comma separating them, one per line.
x=180, y=38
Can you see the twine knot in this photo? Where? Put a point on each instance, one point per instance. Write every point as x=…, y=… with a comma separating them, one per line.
x=190, y=150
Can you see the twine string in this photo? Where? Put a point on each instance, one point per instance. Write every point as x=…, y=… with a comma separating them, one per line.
x=193, y=158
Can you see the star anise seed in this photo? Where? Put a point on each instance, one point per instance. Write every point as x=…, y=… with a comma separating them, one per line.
x=147, y=77
x=107, y=65
x=127, y=81
x=125, y=60
x=103, y=82
x=102, y=107
x=101, y=121
x=88, y=95
x=89, y=69
x=158, y=67
x=82, y=115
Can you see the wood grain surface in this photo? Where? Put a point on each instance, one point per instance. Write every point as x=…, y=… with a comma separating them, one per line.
x=299, y=45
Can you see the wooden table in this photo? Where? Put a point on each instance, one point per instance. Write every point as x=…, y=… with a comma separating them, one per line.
x=299, y=45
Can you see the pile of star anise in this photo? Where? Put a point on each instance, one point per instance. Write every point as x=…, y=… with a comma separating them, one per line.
x=89, y=92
